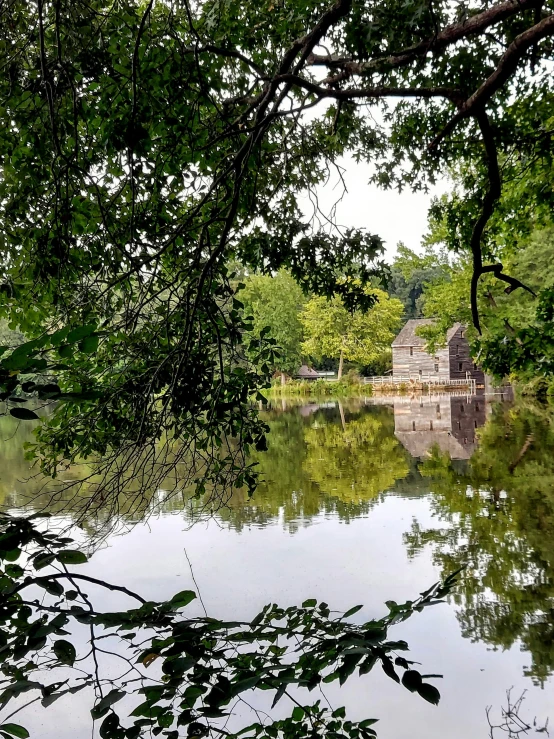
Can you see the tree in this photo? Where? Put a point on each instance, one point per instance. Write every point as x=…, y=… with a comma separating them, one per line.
x=332, y=330
x=275, y=302
x=145, y=146
x=411, y=272
x=515, y=337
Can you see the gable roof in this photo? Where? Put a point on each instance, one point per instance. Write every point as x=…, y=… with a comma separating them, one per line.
x=307, y=372
x=419, y=443
x=408, y=336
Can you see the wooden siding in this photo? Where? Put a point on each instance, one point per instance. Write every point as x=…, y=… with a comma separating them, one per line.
x=460, y=359
x=454, y=360
x=404, y=364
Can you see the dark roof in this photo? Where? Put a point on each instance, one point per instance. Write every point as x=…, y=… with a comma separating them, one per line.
x=307, y=372
x=408, y=336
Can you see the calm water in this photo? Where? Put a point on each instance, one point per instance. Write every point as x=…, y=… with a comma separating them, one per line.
x=364, y=502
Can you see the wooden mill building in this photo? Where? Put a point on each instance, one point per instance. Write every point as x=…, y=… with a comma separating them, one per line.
x=410, y=358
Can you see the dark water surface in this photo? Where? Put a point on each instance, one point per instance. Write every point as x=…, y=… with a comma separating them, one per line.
x=366, y=501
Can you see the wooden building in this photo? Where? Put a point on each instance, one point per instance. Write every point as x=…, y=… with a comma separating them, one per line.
x=451, y=362
x=307, y=373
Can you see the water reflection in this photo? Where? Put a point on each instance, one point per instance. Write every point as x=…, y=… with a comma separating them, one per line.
x=496, y=520
x=446, y=421
x=485, y=468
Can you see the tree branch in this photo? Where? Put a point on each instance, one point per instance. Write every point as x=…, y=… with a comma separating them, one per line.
x=369, y=92
x=487, y=209
x=87, y=578
x=448, y=36
x=506, y=67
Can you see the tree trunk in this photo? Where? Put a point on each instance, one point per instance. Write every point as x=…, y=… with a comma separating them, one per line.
x=341, y=360
x=342, y=418
x=283, y=379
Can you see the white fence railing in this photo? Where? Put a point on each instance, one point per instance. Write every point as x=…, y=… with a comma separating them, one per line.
x=414, y=380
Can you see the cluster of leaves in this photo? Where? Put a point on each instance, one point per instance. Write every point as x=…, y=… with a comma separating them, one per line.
x=199, y=667
x=411, y=273
x=117, y=412
x=333, y=331
x=42, y=358
x=517, y=335
x=275, y=302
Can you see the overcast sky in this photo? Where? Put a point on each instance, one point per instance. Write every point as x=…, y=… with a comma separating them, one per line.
x=392, y=215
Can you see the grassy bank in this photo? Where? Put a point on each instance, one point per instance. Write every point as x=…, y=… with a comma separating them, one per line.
x=319, y=388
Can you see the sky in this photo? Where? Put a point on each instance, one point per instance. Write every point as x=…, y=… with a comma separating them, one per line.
x=391, y=215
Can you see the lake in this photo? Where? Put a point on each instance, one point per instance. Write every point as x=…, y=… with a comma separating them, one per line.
x=364, y=501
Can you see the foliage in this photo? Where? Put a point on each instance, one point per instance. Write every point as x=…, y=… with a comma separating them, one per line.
x=202, y=666
x=275, y=301
x=146, y=146
x=198, y=421
x=410, y=273
x=331, y=330
x=515, y=338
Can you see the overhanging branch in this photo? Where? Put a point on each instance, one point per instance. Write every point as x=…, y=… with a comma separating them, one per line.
x=448, y=36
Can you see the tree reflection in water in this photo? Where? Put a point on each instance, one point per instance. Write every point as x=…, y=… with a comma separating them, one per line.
x=494, y=503
x=497, y=521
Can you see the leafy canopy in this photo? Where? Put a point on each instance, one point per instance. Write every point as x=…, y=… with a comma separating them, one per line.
x=332, y=331
x=275, y=301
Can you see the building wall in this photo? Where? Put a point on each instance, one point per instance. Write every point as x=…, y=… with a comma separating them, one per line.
x=460, y=361
x=405, y=364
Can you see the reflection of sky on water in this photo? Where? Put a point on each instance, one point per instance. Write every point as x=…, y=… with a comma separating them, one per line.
x=362, y=562
x=334, y=519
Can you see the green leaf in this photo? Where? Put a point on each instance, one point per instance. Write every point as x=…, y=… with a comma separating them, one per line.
x=352, y=611
x=297, y=714
x=388, y=669
x=51, y=586
x=411, y=679
x=13, y=555
x=109, y=725
x=89, y=344
x=43, y=559
x=310, y=603
x=182, y=599
x=15, y=730
x=24, y=414
x=430, y=693
x=71, y=557
x=65, y=652
x=66, y=351
x=103, y=705
x=80, y=332
x=279, y=694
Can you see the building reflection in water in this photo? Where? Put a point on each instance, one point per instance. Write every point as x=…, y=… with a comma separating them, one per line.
x=447, y=420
